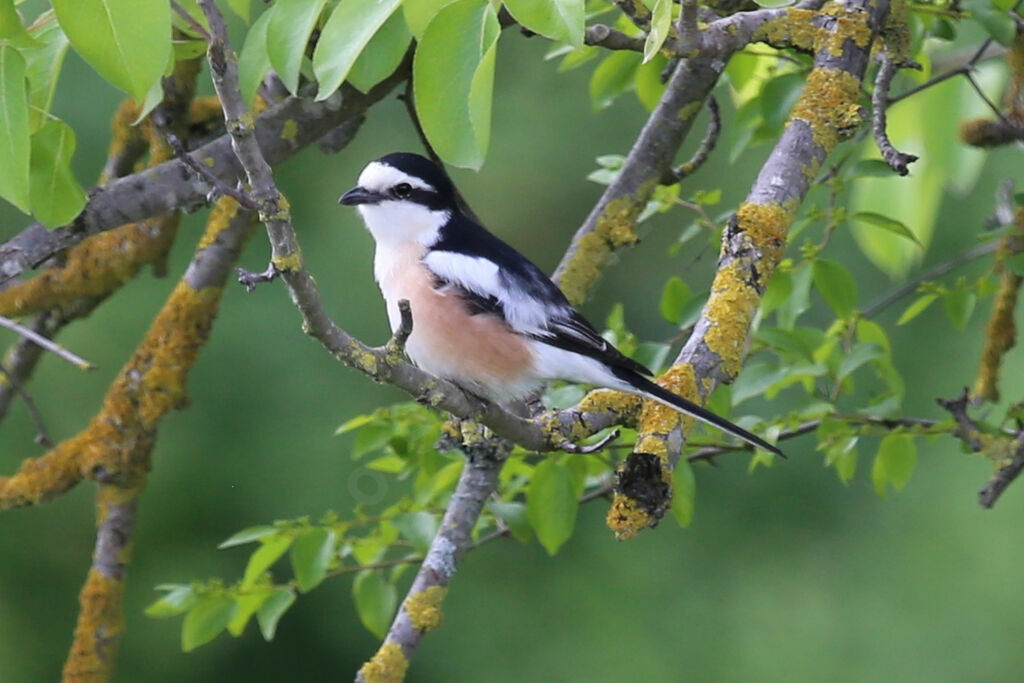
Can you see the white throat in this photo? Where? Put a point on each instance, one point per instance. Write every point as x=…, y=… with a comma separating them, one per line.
x=395, y=222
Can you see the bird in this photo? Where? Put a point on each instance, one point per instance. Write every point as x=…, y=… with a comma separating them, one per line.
x=484, y=316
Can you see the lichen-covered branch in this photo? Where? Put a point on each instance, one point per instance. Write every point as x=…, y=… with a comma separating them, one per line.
x=1007, y=452
x=611, y=224
x=282, y=130
x=1001, y=332
x=116, y=448
x=827, y=112
x=420, y=612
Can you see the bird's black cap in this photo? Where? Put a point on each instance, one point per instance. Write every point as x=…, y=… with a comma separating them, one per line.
x=423, y=168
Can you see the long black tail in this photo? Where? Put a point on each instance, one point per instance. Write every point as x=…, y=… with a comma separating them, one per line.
x=665, y=396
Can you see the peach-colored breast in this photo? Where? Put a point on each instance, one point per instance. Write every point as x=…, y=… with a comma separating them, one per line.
x=477, y=351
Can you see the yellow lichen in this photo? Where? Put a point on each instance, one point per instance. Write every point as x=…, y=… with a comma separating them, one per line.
x=288, y=263
x=614, y=229
x=626, y=406
x=829, y=105
x=689, y=111
x=1001, y=331
x=94, y=268
x=289, y=131
x=388, y=665
x=424, y=608
x=626, y=518
x=795, y=27
x=98, y=631
x=224, y=211
x=657, y=420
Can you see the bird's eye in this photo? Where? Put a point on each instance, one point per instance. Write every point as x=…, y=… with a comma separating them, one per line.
x=402, y=190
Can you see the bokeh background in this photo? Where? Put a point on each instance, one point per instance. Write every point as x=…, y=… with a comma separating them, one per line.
x=785, y=574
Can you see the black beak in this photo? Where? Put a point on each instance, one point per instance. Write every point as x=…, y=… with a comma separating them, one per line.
x=359, y=195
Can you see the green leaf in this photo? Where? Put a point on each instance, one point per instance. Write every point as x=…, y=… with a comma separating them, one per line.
x=382, y=56
x=798, y=299
x=127, y=41
x=777, y=99
x=44, y=64
x=514, y=517
x=648, y=84
x=290, y=25
x=786, y=341
x=835, y=284
x=343, y=38
x=270, y=552
x=959, y=304
x=778, y=291
x=842, y=455
x=885, y=223
x=894, y=463
x=556, y=19
x=248, y=535
x=858, y=356
x=311, y=556
x=870, y=168
x=207, y=618
x=15, y=145
x=253, y=60
x=241, y=8
x=271, y=611
x=917, y=308
x=54, y=192
x=453, y=76
x=11, y=29
x=684, y=487
x=870, y=332
x=674, y=298
x=996, y=22
x=248, y=605
x=418, y=528
x=551, y=504
x=612, y=77
x=419, y=14
x=376, y=600
x=177, y=600
x=661, y=22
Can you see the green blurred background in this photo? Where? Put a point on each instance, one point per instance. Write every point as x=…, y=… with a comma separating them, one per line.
x=783, y=575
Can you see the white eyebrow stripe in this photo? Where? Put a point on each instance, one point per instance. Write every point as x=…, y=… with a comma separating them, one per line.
x=378, y=176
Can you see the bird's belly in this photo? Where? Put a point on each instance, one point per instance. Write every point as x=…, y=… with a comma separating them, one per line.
x=478, y=352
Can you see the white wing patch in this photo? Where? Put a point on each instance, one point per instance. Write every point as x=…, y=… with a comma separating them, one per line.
x=483, y=277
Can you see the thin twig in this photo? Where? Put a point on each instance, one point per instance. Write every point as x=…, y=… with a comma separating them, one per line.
x=1004, y=476
x=42, y=435
x=967, y=429
x=47, y=344
x=396, y=345
x=609, y=38
x=897, y=160
x=707, y=145
x=963, y=258
x=191, y=21
x=218, y=188
x=596, y=447
x=637, y=13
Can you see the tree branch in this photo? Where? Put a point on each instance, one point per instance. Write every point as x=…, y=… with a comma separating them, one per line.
x=421, y=609
x=282, y=131
x=897, y=160
x=827, y=112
